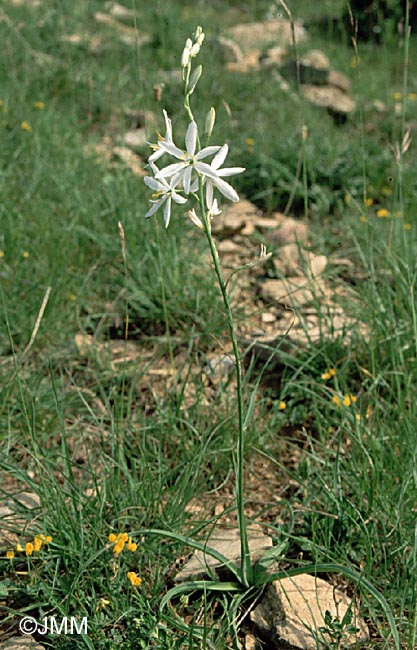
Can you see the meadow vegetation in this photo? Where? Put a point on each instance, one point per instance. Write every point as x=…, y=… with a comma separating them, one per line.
x=105, y=413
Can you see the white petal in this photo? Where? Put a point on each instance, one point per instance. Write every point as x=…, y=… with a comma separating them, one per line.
x=206, y=170
x=156, y=154
x=187, y=178
x=191, y=138
x=169, y=147
x=209, y=194
x=170, y=170
x=151, y=182
x=154, y=208
x=207, y=151
x=167, y=213
x=230, y=171
x=178, y=198
x=168, y=125
x=194, y=218
x=220, y=157
x=226, y=189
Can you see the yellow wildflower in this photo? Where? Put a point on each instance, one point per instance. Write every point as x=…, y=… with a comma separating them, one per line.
x=37, y=544
x=46, y=539
x=368, y=202
x=26, y=126
x=1, y=254
x=383, y=212
x=282, y=406
x=408, y=226
x=123, y=537
x=329, y=373
x=118, y=547
x=347, y=199
x=358, y=417
x=112, y=538
x=412, y=97
x=134, y=578
x=336, y=400
x=25, y=254
x=397, y=96
x=39, y=105
x=250, y=142
x=19, y=548
x=29, y=548
x=104, y=602
x=346, y=400
x=10, y=555
x=131, y=546
x=72, y=297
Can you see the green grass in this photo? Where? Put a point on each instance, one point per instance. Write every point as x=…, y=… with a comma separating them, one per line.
x=114, y=447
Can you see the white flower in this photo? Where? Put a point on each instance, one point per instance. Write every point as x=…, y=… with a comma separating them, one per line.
x=164, y=193
x=225, y=188
x=190, y=160
x=168, y=138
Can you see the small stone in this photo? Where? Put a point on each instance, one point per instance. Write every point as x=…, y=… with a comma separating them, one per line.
x=288, y=230
x=226, y=50
x=219, y=366
x=135, y=139
x=131, y=160
x=228, y=247
x=226, y=542
x=330, y=97
x=259, y=35
x=340, y=80
x=295, y=292
x=268, y=317
x=26, y=642
x=291, y=613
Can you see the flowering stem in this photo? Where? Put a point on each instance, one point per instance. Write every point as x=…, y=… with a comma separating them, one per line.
x=246, y=566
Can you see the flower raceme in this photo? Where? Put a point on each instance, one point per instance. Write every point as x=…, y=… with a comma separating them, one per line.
x=186, y=174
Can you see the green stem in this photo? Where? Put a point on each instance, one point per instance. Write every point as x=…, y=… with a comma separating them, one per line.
x=246, y=567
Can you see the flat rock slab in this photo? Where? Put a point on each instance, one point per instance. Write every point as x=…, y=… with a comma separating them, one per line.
x=21, y=643
x=258, y=35
x=226, y=542
x=292, y=612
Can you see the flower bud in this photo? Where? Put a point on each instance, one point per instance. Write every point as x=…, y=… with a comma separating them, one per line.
x=194, y=79
x=195, y=49
x=210, y=120
x=185, y=57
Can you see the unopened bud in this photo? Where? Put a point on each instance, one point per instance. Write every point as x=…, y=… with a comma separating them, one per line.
x=194, y=79
x=185, y=57
x=210, y=120
x=195, y=49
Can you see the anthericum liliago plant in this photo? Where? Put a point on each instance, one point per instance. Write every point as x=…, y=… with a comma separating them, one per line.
x=193, y=176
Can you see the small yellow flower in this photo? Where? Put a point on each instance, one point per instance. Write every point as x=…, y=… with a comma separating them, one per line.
x=408, y=226
x=347, y=199
x=329, y=373
x=37, y=544
x=383, y=212
x=46, y=539
x=19, y=548
x=347, y=400
x=29, y=548
x=123, y=537
x=25, y=254
x=368, y=202
x=118, y=547
x=412, y=97
x=353, y=399
x=282, y=406
x=397, y=96
x=134, y=578
x=10, y=555
x=112, y=538
x=39, y=105
x=72, y=297
x=26, y=126
x=1, y=254
x=104, y=602
x=358, y=417
x=250, y=142
x=363, y=218
x=336, y=400
x=131, y=546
